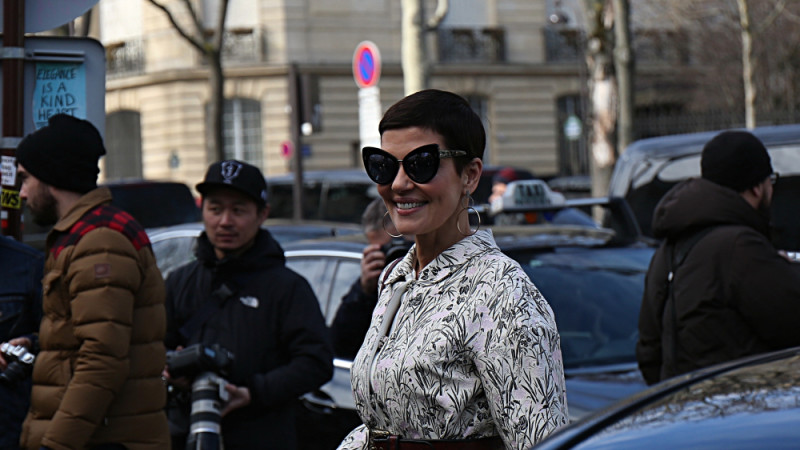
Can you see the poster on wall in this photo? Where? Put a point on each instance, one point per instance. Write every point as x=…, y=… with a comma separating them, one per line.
x=59, y=88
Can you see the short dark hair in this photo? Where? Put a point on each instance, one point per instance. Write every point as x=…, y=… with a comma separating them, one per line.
x=444, y=113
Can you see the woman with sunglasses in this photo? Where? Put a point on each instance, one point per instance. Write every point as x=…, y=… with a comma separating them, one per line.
x=462, y=350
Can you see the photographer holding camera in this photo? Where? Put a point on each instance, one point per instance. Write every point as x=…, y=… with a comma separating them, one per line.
x=355, y=312
x=20, y=314
x=238, y=296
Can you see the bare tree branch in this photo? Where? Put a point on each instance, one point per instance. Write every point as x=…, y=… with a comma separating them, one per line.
x=780, y=5
x=221, y=15
x=198, y=44
x=198, y=26
x=442, y=6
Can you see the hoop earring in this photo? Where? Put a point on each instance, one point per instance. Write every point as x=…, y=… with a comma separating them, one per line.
x=467, y=205
x=385, y=215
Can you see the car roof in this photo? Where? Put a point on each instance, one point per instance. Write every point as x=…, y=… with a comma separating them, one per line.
x=740, y=379
x=686, y=144
x=316, y=176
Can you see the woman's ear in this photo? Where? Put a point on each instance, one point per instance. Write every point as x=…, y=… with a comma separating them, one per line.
x=472, y=174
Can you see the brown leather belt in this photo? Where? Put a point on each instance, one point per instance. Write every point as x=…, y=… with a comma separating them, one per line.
x=379, y=440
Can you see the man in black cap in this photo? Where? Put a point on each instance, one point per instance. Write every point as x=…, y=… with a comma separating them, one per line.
x=717, y=289
x=97, y=377
x=239, y=295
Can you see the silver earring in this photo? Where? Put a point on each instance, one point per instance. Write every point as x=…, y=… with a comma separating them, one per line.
x=393, y=227
x=467, y=205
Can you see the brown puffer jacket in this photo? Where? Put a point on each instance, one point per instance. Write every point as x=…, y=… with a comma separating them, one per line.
x=97, y=377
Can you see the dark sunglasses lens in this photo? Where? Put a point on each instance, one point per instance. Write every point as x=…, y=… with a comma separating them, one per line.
x=380, y=168
x=421, y=164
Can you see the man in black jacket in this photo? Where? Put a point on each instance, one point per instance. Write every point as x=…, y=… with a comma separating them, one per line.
x=717, y=289
x=239, y=295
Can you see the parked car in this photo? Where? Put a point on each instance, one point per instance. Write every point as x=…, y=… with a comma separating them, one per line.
x=749, y=403
x=650, y=167
x=592, y=276
x=153, y=204
x=174, y=246
x=591, y=273
x=330, y=195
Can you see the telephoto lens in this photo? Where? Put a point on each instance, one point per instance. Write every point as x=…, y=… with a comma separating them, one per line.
x=208, y=396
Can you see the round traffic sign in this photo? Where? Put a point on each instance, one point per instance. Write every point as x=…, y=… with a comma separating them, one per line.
x=366, y=64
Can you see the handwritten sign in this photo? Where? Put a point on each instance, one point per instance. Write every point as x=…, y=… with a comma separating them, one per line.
x=8, y=168
x=60, y=88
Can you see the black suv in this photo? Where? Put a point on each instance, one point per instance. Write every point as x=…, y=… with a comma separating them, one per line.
x=650, y=167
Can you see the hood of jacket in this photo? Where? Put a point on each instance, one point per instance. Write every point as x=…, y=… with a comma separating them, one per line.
x=698, y=203
x=265, y=252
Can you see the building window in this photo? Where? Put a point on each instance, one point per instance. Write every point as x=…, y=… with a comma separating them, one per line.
x=123, y=142
x=241, y=122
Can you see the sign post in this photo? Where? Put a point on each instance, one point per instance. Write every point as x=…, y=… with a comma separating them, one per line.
x=367, y=73
x=18, y=17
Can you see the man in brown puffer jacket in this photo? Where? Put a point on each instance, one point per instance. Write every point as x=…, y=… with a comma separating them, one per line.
x=97, y=377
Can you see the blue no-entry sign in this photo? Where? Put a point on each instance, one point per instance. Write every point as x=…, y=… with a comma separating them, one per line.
x=366, y=64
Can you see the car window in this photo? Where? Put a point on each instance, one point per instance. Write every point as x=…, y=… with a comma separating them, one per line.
x=318, y=271
x=344, y=203
x=173, y=252
x=347, y=272
x=156, y=204
x=595, y=295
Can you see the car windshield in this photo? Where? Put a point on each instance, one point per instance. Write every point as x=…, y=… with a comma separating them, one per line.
x=595, y=295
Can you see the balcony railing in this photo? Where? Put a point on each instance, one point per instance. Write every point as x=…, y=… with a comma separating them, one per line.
x=649, y=46
x=472, y=45
x=124, y=59
x=243, y=45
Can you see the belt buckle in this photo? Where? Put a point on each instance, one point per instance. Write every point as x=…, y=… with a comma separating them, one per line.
x=373, y=434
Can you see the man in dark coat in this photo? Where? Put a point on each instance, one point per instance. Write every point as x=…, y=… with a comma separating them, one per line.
x=239, y=295
x=731, y=293
x=20, y=314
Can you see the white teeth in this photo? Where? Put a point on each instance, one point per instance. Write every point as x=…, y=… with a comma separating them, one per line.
x=408, y=205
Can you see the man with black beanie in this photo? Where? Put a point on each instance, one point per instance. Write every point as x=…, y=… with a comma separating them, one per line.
x=97, y=377
x=717, y=289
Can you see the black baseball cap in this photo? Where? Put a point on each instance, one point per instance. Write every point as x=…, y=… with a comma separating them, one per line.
x=237, y=175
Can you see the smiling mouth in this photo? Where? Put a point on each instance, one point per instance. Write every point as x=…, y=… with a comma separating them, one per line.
x=405, y=205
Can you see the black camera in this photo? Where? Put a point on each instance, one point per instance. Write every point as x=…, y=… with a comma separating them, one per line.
x=396, y=248
x=206, y=365
x=20, y=364
x=199, y=358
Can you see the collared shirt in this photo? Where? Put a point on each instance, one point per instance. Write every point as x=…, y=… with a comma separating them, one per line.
x=472, y=351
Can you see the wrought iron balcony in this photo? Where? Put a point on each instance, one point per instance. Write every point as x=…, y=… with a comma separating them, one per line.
x=125, y=59
x=472, y=45
x=242, y=46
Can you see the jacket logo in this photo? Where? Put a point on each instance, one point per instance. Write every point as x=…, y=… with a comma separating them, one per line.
x=249, y=301
x=230, y=170
x=102, y=270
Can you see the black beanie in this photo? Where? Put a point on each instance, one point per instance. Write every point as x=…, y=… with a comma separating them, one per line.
x=63, y=154
x=735, y=159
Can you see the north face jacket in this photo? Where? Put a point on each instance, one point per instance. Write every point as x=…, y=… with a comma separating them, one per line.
x=97, y=378
x=734, y=294
x=271, y=322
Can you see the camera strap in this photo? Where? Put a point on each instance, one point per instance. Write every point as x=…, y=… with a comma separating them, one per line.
x=218, y=298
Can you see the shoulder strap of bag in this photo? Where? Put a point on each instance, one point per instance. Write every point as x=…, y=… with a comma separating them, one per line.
x=389, y=270
x=677, y=251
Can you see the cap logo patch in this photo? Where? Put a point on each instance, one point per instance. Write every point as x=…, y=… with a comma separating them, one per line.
x=230, y=170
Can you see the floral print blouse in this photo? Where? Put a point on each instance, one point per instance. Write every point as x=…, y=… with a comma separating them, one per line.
x=472, y=351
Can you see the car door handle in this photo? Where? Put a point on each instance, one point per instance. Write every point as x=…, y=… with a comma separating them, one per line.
x=319, y=402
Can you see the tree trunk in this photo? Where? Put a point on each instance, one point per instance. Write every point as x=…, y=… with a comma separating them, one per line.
x=603, y=95
x=747, y=65
x=624, y=68
x=414, y=60
x=216, y=103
